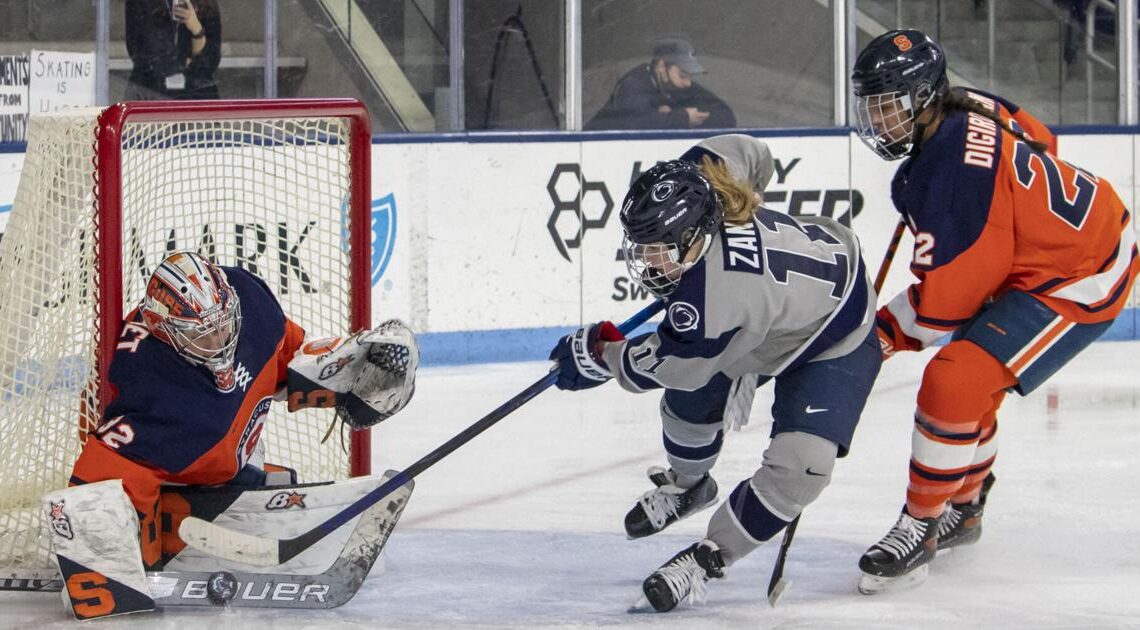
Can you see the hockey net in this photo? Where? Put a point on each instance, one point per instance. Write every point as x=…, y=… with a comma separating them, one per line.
x=280, y=188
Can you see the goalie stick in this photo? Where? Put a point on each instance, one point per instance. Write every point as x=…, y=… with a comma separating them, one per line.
x=261, y=551
x=777, y=583
x=329, y=589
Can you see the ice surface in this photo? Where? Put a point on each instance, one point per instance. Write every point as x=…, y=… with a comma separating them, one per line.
x=522, y=528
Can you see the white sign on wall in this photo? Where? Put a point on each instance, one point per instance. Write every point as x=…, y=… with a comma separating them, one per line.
x=61, y=80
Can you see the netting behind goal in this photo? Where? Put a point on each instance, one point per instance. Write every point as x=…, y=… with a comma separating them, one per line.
x=280, y=188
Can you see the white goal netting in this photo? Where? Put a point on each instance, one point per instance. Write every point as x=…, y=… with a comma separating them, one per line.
x=270, y=195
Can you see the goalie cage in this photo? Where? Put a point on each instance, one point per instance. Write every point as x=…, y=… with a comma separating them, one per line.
x=279, y=187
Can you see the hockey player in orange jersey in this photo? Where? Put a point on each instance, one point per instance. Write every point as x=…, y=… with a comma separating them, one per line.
x=1024, y=258
x=197, y=367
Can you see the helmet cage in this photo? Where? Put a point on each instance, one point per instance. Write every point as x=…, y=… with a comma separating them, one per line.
x=886, y=123
x=210, y=340
x=658, y=267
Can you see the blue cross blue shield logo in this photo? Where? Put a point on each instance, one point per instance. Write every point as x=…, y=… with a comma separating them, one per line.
x=383, y=234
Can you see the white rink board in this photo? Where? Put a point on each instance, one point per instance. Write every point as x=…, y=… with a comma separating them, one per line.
x=479, y=218
x=483, y=256
x=474, y=250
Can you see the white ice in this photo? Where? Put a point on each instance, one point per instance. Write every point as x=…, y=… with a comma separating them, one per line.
x=521, y=528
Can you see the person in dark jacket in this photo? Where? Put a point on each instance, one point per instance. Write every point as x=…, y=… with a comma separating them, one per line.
x=175, y=46
x=663, y=95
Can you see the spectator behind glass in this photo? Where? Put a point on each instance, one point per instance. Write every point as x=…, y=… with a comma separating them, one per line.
x=175, y=46
x=662, y=95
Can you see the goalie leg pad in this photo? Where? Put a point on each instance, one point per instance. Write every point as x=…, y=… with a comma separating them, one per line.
x=94, y=533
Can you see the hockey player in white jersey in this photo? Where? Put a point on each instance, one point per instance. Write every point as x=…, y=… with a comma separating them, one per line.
x=752, y=295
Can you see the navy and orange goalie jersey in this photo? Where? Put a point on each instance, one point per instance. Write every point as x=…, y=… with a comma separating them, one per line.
x=990, y=215
x=168, y=423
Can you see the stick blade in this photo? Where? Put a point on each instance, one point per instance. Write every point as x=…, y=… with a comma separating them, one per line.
x=776, y=591
x=228, y=544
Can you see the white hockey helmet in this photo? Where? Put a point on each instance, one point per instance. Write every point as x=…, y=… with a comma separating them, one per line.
x=190, y=305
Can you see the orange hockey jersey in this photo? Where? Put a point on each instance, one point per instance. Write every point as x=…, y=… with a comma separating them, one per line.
x=990, y=215
x=169, y=424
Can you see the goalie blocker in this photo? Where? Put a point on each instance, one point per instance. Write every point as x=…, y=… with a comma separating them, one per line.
x=94, y=536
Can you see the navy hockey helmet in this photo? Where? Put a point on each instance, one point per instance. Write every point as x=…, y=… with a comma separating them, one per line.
x=669, y=209
x=897, y=75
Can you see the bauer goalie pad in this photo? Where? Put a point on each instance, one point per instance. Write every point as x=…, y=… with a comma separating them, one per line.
x=368, y=377
x=191, y=578
x=94, y=533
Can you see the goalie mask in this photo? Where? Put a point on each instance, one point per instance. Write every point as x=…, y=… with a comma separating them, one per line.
x=191, y=306
x=898, y=75
x=670, y=210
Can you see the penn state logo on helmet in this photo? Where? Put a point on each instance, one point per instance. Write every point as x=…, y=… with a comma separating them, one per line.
x=663, y=191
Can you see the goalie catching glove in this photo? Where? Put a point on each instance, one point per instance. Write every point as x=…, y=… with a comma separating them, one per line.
x=368, y=377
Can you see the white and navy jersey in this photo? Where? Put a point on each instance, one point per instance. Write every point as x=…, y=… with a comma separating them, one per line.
x=766, y=298
x=748, y=159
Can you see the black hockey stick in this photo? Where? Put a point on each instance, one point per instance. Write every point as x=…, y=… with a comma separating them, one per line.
x=256, y=550
x=777, y=584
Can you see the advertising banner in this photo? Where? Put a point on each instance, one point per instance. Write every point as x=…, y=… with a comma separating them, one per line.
x=13, y=97
x=494, y=238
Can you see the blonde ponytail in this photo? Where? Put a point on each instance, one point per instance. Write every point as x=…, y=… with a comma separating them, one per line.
x=736, y=197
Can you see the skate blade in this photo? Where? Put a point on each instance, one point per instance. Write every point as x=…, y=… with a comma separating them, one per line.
x=640, y=606
x=874, y=584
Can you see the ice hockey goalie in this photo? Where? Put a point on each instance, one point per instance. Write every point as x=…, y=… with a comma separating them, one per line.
x=197, y=366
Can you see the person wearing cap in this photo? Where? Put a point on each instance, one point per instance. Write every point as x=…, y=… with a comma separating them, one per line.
x=662, y=94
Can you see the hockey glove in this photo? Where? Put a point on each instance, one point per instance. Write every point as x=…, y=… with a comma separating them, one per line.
x=367, y=377
x=579, y=356
x=891, y=337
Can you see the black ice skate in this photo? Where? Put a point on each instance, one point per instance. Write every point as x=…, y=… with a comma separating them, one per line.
x=684, y=576
x=667, y=503
x=961, y=523
x=901, y=558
